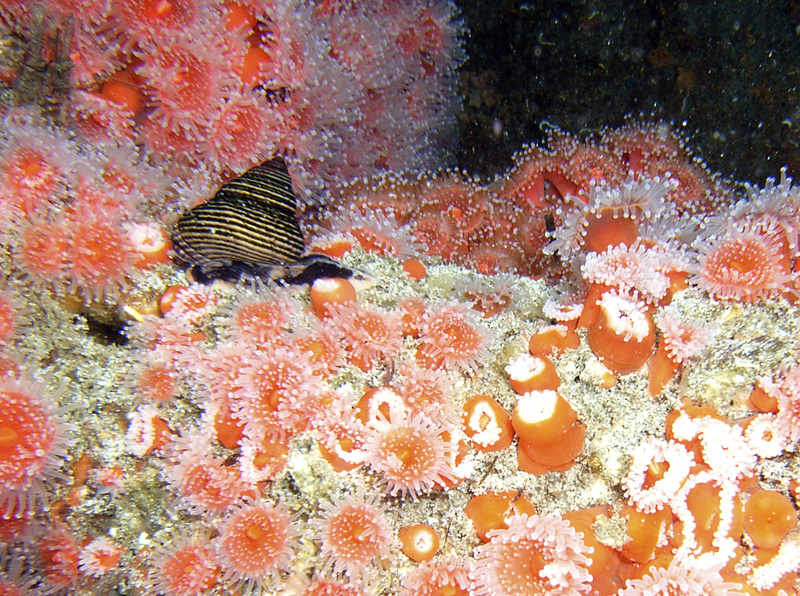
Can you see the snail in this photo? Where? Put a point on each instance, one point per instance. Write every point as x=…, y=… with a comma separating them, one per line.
x=249, y=230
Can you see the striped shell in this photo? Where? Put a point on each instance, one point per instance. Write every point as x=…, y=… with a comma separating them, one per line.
x=252, y=219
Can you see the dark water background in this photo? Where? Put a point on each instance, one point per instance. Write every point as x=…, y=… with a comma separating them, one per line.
x=726, y=74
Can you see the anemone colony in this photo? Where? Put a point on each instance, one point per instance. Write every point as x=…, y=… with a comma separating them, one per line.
x=579, y=378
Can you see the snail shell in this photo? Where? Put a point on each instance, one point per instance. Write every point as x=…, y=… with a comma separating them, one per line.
x=251, y=219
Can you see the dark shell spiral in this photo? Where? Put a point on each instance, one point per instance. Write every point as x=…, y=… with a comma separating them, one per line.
x=249, y=230
x=251, y=219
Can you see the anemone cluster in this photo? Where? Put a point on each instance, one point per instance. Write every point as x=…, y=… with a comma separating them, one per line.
x=220, y=86
x=579, y=378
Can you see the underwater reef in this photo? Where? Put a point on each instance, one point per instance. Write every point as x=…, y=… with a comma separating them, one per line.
x=579, y=377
